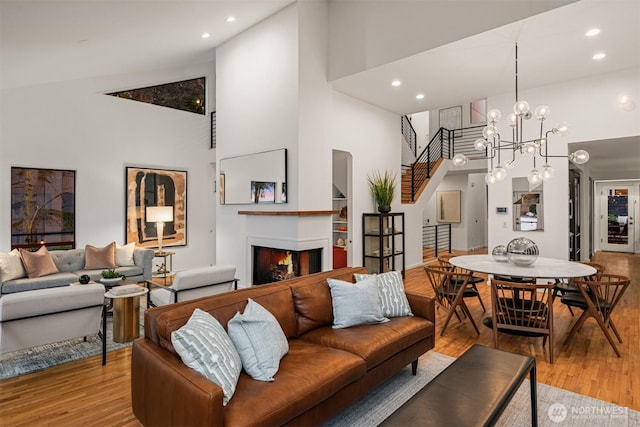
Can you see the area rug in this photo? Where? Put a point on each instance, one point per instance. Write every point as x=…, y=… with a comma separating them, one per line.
x=556, y=407
x=42, y=357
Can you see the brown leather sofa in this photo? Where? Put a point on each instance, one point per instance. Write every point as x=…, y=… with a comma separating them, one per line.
x=324, y=371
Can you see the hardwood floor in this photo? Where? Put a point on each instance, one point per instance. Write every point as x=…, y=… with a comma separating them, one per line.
x=85, y=393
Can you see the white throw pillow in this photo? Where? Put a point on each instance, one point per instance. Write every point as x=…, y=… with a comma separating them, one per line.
x=204, y=345
x=260, y=341
x=393, y=299
x=355, y=303
x=124, y=254
x=11, y=266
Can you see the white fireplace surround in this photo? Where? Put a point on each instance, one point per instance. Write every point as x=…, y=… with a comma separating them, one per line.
x=286, y=244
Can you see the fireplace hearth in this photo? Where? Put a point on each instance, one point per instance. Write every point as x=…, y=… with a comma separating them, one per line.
x=273, y=264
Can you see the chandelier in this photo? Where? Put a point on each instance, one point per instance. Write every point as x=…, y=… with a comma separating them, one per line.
x=494, y=144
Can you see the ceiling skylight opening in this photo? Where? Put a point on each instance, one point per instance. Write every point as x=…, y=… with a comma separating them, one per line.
x=230, y=19
x=598, y=56
x=205, y=35
x=420, y=96
x=592, y=32
x=396, y=83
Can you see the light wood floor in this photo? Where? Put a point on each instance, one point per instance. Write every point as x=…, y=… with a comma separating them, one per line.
x=85, y=393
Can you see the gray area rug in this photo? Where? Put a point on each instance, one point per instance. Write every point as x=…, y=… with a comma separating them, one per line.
x=556, y=407
x=42, y=357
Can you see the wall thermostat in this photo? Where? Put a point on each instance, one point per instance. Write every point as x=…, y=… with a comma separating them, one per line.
x=501, y=210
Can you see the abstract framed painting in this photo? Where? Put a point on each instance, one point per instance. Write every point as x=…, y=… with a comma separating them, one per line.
x=448, y=206
x=43, y=208
x=147, y=187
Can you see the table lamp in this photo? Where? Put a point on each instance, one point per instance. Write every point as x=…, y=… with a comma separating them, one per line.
x=160, y=215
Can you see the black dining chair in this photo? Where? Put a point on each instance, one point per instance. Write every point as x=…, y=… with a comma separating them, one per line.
x=569, y=287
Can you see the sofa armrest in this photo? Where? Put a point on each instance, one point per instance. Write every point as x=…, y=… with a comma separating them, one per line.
x=422, y=305
x=143, y=257
x=164, y=391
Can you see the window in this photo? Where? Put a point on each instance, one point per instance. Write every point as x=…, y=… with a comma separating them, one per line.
x=186, y=95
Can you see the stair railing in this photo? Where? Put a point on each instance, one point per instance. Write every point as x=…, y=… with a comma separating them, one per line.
x=409, y=134
x=445, y=144
x=435, y=239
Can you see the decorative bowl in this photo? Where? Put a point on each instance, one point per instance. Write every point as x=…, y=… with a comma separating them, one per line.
x=500, y=253
x=522, y=251
x=113, y=280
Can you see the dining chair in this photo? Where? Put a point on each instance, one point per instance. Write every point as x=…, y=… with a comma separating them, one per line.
x=451, y=288
x=598, y=298
x=473, y=281
x=568, y=287
x=524, y=309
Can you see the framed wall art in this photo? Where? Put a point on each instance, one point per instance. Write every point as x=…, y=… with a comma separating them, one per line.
x=43, y=208
x=448, y=206
x=147, y=187
x=451, y=118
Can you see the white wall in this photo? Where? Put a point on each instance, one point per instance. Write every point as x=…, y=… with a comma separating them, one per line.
x=589, y=106
x=73, y=125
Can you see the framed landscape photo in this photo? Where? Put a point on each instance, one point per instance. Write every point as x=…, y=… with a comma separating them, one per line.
x=147, y=187
x=43, y=208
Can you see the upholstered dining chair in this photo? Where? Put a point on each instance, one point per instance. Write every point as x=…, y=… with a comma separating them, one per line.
x=473, y=281
x=567, y=287
x=451, y=288
x=598, y=298
x=524, y=309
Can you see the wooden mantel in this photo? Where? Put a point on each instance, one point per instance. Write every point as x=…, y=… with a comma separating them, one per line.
x=288, y=213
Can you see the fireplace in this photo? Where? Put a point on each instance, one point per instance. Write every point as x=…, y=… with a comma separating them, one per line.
x=273, y=265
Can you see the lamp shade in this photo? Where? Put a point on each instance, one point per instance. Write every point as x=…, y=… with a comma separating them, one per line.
x=160, y=213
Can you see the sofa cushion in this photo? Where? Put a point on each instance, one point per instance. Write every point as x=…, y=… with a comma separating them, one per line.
x=355, y=304
x=259, y=339
x=308, y=374
x=26, y=284
x=313, y=305
x=124, y=254
x=203, y=345
x=95, y=258
x=38, y=263
x=68, y=260
x=11, y=266
x=393, y=299
x=374, y=343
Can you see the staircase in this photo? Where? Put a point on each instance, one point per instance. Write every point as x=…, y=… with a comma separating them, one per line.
x=444, y=145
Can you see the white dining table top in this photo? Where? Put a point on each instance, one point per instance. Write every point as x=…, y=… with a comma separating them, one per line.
x=543, y=268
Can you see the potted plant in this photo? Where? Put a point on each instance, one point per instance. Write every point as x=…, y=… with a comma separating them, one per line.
x=382, y=186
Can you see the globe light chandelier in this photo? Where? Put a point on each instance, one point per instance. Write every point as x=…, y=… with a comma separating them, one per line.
x=493, y=144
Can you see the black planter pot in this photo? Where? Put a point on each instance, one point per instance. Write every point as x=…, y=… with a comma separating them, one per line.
x=384, y=209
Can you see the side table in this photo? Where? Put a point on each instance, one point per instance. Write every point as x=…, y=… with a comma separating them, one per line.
x=126, y=314
x=163, y=271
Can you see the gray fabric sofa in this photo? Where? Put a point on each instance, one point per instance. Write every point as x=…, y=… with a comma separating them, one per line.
x=71, y=264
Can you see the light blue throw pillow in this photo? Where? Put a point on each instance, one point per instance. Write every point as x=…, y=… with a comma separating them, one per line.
x=355, y=303
x=204, y=345
x=260, y=341
x=393, y=299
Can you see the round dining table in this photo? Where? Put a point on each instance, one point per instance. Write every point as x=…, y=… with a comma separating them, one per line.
x=542, y=268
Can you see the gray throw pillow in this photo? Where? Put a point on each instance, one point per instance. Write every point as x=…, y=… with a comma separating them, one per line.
x=259, y=339
x=393, y=299
x=203, y=345
x=355, y=303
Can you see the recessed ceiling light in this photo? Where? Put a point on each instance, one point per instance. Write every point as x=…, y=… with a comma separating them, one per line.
x=230, y=19
x=396, y=83
x=598, y=56
x=205, y=35
x=420, y=96
x=592, y=32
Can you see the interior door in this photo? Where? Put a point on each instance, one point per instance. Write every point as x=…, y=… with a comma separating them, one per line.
x=617, y=218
